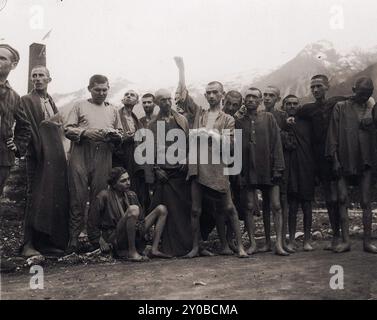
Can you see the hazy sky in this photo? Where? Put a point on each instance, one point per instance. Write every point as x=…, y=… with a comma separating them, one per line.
x=137, y=39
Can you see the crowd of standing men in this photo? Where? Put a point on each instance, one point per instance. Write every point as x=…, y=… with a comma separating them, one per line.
x=99, y=190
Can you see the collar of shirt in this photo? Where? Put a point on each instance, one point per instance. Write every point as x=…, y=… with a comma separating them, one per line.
x=5, y=85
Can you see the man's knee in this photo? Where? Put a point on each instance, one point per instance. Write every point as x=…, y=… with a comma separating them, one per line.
x=275, y=204
x=133, y=211
x=162, y=209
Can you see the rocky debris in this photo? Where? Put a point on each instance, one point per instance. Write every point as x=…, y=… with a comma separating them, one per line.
x=299, y=235
x=35, y=260
x=317, y=235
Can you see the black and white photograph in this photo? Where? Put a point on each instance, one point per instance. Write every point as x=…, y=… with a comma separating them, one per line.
x=204, y=152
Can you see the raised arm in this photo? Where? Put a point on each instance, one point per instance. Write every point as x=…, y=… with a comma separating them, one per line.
x=185, y=104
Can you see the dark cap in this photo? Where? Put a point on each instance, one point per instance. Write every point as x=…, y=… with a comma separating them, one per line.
x=16, y=55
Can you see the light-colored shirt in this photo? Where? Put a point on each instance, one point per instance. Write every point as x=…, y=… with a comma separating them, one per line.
x=212, y=116
x=86, y=115
x=47, y=108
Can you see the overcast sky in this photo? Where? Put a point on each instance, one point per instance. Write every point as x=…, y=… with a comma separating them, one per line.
x=137, y=39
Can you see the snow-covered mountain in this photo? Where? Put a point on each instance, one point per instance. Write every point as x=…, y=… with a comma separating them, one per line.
x=292, y=77
x=319, y=57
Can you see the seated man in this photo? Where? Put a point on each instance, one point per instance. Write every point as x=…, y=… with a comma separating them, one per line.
x=121, y=221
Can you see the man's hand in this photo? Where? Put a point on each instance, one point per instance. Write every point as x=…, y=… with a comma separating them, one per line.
x=128, y=136
x=179, y=62
x=291, y=120
x=105, y=247
x=93, y=134
x=161, y=175
x=11, y=145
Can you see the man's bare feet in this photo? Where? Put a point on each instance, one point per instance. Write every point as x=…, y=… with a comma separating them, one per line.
x=205, y=253
x=332, y=245
x=342, y=247
x=159, y=254
x=29, y=251
x=308, y=246
x=242, y=253
x=226, y=251
x=136, y=257
x=291, y=247
x=192, y=254
x=369, y=247
x=280, y=251
x=265, y=248
x=252, y=249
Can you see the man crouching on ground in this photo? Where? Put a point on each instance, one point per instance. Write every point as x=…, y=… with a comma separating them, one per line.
x=121, y=219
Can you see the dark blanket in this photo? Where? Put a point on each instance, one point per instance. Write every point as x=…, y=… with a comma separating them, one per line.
x=299, y=161
x=50, y=203
x=175, y=195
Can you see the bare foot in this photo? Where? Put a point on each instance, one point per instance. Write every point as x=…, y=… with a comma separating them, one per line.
x=265, y=248
x=137, y=257
x=226, y=251
x=332, y=245
x=368, y=247
x=159, y=254
x=291, y=247
x=280, y=251
x=342, y=247
x=252, y=249
x=205, y=253
x=192, y=254
x=242, y=253
x=308, y=246
x=29, y=251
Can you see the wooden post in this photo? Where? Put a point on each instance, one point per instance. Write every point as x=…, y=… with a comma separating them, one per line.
x=37, y=57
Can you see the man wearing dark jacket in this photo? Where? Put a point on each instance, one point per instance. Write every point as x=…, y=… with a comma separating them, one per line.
x=12, y=143
x=47, y=205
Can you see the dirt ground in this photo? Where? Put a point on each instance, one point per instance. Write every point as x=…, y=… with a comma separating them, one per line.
x=263, y=276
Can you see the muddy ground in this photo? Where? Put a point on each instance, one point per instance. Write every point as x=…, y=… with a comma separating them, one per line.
x=263, y=276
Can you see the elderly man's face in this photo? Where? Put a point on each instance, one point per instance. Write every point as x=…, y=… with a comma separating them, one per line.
x=232, y=105
x=40, y=78
x=130, y=98
x=253, y=100
x=290, y=106
x=164, y=102
x=6, y=63
x=99, y=92
x=270, y=98
x=214, y=94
